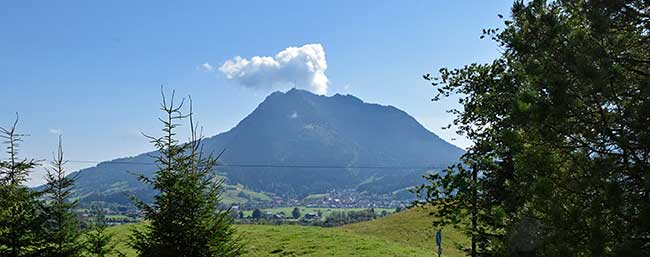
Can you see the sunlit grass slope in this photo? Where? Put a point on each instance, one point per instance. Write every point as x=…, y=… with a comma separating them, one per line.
x=268, y=240
x=121, y=236
x=408, y=233
x=412, y=227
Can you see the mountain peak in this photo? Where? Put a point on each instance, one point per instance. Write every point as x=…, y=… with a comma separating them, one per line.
x=296, y=93
x=294, y=129
x=299, y=91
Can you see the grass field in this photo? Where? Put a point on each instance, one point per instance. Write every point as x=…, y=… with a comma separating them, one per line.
x=269, y=240
x=408, y=233
x=413, y=228
x=238, y=194
x=316, y=196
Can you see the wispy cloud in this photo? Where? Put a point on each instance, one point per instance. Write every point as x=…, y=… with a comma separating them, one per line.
x=300, y=67
x=206, y=67
x=55, y=131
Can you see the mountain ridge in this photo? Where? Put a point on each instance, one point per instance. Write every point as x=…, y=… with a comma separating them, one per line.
x=301, y=129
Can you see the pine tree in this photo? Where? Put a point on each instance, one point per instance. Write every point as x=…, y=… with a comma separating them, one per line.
x=20, y=210
x=184, y=219
x=62, y=227
x=257, y=214
x=99, y=242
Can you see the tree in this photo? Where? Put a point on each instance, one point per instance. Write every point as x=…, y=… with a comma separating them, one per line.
x=295, y=213
x=98, y=241
x=257, y=214
x=21, y=213
x=62, y=227
x=184, y=216
x=560, y=160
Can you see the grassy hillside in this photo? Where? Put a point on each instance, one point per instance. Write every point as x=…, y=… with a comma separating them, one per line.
x=121, y=236
x=238, y=194
x=407, y=233
x=269, y=240
x=412, y=228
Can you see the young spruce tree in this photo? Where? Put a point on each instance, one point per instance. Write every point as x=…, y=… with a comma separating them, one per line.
x=99, y=242
x=184, y=219
x=62, y=227
x=20, y=210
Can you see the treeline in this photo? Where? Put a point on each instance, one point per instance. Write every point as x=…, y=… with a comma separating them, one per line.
x=560, y=126
x=339, y=218
x=183, y=220
x=335, y=218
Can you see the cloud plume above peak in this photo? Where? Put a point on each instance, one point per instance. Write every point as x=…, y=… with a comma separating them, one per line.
x=301, y=67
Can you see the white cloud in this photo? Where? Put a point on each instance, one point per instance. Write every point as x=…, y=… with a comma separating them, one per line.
x=207, y=67
x=300, y=67
x=293, y=115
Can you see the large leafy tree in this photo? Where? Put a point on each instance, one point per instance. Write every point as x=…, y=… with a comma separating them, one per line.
x=560, y=164
x=21, y=212
x=184, y=219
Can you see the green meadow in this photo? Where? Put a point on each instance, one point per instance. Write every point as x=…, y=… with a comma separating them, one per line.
x=408, y=233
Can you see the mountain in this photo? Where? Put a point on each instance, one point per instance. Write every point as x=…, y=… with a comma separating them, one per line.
x=269, y=149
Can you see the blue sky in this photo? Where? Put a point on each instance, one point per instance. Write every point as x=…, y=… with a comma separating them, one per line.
x=92, y=69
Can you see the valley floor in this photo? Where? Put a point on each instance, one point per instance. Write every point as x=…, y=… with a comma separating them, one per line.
x=408, y=233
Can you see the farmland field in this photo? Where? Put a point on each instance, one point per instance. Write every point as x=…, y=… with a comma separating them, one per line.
x=408, y=233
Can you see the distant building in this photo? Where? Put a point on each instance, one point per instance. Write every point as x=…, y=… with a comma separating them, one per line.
x=312, y=216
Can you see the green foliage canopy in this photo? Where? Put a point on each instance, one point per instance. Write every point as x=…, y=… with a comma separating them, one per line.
x=21, y=212
x=560, y=125
x=61, y=224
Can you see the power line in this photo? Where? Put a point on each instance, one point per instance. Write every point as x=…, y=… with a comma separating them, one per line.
x=294, y=166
